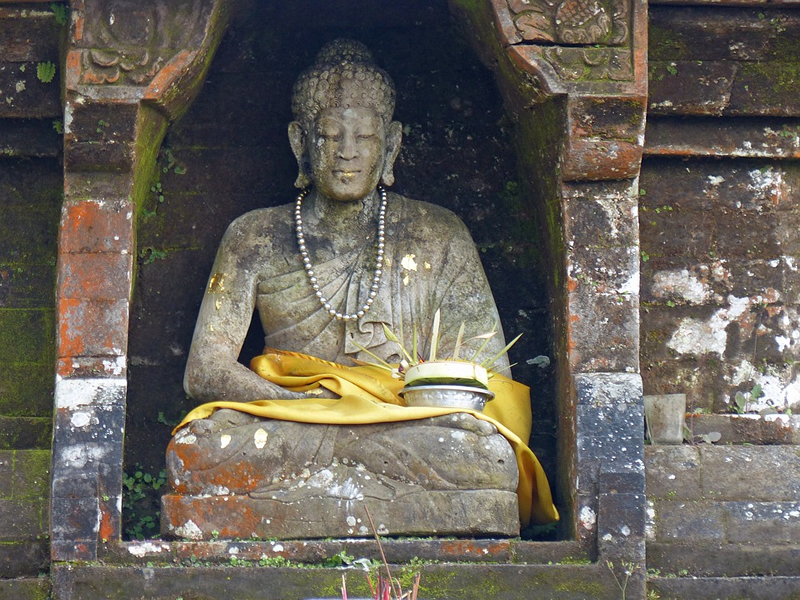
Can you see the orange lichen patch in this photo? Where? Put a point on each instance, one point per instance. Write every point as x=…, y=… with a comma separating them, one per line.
x=469, y=548
x=165, y=78
x=96, y=276
x=108, y=524
x=572, y=284
x=92, y=328
x=97, y=226
x=204, y=513
x=73, y=65
x=241, y=478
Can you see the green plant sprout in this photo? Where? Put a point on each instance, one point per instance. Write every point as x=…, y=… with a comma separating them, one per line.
x=46, y=71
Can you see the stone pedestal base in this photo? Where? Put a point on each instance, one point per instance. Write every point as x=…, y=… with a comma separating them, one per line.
x=446, y=513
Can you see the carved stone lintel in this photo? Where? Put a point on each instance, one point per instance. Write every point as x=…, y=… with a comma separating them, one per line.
x=569, y=22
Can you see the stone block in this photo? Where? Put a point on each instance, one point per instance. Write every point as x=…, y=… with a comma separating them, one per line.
x=600, y=215
x=30, y=232
x=92, y=327
x=31, y=479
x=29, y=138
x=775, y=522
x=100, y=225
x=118, y=158
x=26, y=558
x=765, y=89
x=21, y=520
x=673, y=473
x=621, y=527
x=723, y=560
x=102, y=276
x=25, y=335
x=751, y=473
x=608, y=271
x=747, y=429
x=713, y=588
x=603, y=332
x=27, y=285
x=25, y=433
x=74, y=520
x=26, y=390
x=6, y=472
x=25, y=95
x=28, y=35
x=83, y=367
x=86, y=424
x=690, y=87
x=715, y=138
x=690, y=522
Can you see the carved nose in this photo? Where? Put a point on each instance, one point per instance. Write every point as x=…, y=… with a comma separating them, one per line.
x=348, y=149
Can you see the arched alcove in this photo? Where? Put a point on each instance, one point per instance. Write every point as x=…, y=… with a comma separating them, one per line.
x=229, y=154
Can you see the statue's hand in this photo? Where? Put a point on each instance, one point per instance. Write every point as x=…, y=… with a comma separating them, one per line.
x=463, y=421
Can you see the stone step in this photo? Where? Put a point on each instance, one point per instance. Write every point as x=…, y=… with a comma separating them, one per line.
x=724, y=588
x=692, y=559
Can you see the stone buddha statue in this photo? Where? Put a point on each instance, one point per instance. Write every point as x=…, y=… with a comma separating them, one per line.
x=296, y=445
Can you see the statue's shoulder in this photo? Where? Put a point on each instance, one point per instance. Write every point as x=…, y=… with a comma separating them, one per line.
x=434, y=219
x=259, y=223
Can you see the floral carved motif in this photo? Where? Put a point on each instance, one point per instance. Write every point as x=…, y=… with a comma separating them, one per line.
x=571, y=22
x=128, y=41
x=596, y=64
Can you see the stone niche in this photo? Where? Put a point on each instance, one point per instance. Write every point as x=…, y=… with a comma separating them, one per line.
x=544, y=173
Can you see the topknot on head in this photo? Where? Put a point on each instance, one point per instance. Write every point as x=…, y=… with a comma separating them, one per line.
x=344, y=75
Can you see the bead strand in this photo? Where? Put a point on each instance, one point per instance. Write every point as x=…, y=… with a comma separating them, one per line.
x=309, y=268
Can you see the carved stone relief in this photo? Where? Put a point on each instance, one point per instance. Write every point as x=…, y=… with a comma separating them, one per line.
x=571, y=22
x=126, y=42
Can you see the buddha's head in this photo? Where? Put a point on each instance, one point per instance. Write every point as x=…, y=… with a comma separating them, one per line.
x=343, y=135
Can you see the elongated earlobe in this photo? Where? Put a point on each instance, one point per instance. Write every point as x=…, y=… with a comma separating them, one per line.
x=394, y=138
x=297, y=140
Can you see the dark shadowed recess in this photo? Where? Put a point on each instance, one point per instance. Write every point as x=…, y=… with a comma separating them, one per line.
x=229, y=154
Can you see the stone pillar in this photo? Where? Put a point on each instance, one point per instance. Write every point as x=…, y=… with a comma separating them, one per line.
x=574, y=75
x=130, y=69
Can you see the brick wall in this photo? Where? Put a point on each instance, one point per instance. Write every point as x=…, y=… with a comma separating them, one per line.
x=720, y=207
x=30, y=203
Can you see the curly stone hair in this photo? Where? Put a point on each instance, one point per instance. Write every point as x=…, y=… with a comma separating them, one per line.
x=343, y=75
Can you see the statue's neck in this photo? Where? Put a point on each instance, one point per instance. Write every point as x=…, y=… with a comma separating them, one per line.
x=341, y=218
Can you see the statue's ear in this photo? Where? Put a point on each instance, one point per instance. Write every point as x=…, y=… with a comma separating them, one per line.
x=394, y=137
x=297, y=140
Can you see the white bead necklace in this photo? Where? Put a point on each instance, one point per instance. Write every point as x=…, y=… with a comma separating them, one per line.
x=312, y=278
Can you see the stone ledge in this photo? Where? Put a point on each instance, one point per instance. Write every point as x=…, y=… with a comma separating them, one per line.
x=723, y=473
x=694, y=559
x=716, y=588
x=463, y=581
x=219, y=552
x=27, y=588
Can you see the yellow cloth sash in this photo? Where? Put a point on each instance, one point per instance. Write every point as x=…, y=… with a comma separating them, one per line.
x=369, y=395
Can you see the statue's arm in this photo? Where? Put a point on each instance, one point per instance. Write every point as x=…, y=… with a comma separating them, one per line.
x=212, y=370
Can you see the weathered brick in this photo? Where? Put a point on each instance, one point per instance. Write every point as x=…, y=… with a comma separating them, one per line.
x=6, y=472
x=600, y=216
x=673, y=473
x=603, y=332
x=102, y=276
x=92, y=328
x=724, y=560
x=689, y=521
x=97, y=226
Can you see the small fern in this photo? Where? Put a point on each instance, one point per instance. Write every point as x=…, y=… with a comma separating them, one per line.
x=46, y=71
